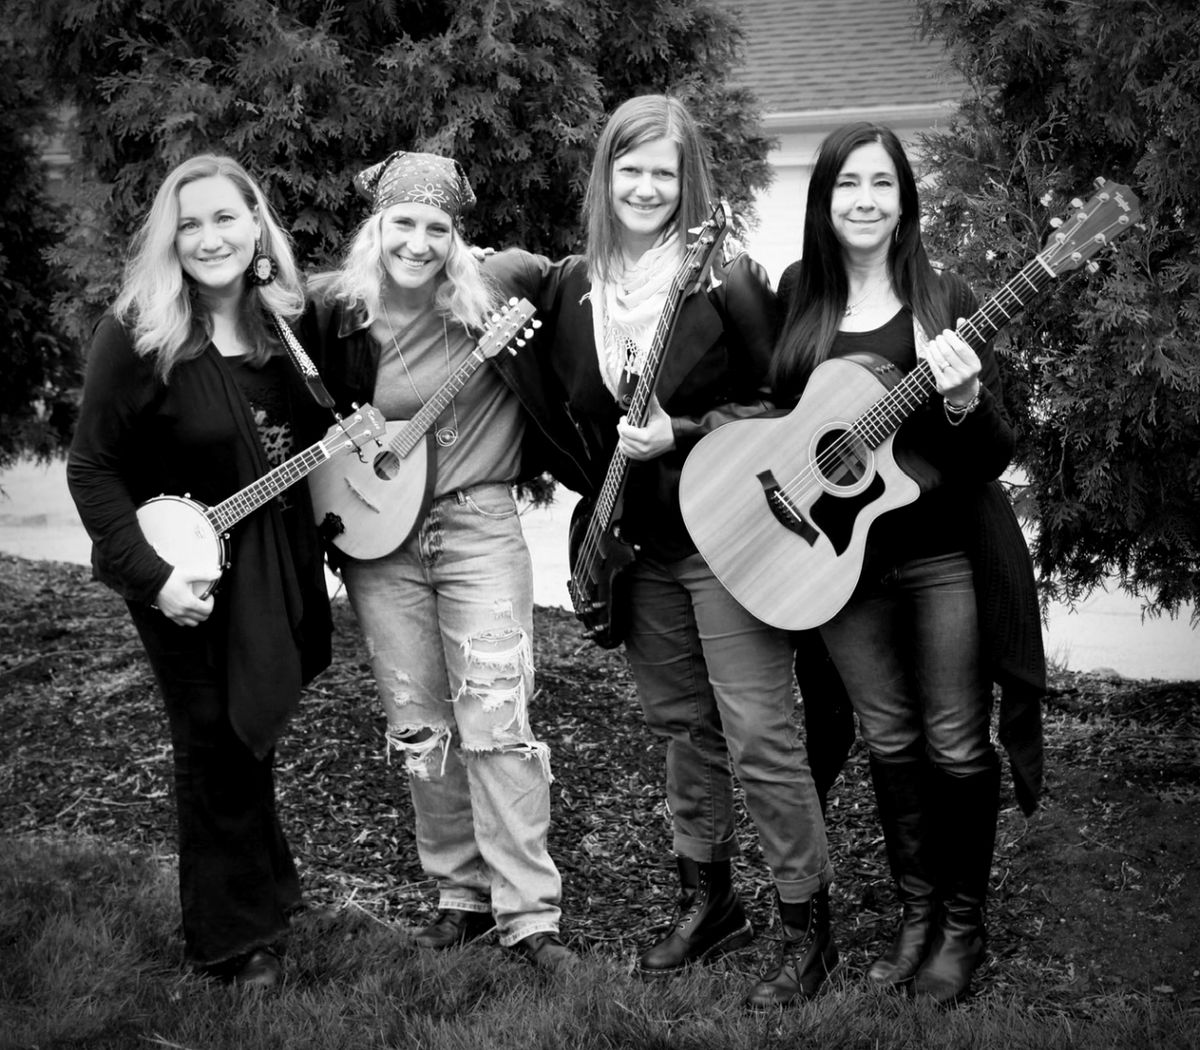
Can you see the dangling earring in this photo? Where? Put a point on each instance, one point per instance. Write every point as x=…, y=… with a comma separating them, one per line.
x=262, y=268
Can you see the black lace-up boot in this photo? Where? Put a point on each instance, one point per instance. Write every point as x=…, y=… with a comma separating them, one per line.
x=807, y=955
x=709, y=920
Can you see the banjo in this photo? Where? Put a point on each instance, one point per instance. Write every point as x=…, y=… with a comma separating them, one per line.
x=194, y=537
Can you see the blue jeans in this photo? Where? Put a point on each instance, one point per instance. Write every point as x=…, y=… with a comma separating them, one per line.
x=717, y=684
x=448, y=621
x=907, y=648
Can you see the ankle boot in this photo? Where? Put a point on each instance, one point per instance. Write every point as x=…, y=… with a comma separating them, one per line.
x=709, y=920
x=967, y=810
x=902, y=796
x=807, y=955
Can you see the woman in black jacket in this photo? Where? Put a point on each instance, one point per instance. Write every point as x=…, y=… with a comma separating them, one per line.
x=189, y=391
x=714, y=682
x=917, y=643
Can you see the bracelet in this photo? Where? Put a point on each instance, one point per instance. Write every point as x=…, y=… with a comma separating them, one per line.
x=955, y=414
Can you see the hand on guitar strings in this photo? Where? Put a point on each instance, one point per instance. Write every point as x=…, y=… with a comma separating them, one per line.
x=177, y=600
x=655, y=438
x=955, y=367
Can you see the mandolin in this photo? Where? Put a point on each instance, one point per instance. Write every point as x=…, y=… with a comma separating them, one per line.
x=370, y=505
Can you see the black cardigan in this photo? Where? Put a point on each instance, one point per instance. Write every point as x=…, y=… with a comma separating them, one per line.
x=967, y=458
x=138, y=438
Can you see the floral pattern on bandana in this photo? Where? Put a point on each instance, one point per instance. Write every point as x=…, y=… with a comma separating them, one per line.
x=418, y=178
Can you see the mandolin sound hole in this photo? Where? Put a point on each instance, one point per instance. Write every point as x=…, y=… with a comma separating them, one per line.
x=843, y=459
x=387, y=466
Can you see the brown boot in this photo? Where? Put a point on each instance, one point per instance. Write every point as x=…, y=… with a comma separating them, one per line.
x=807, y=955
x=454, y=927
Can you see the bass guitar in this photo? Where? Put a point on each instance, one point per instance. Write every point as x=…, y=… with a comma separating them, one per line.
x=369, y=506
x=780, y=508
x=597, y=552
x=194, y=537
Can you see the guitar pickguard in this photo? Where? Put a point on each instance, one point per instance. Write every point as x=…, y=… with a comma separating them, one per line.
x=835, y=515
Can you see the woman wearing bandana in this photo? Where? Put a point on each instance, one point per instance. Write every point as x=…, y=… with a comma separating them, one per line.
x=448, y=615
x=714, y=683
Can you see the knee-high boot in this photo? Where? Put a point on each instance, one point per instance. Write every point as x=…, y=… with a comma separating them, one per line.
x=807, y=955
x=709, y=920
x=966, y=808
x=903, y=797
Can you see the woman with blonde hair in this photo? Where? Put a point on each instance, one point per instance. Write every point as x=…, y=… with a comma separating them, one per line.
x=448, y=613
x=189, y=391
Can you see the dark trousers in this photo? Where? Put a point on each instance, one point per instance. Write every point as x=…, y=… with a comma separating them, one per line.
x=237, y=880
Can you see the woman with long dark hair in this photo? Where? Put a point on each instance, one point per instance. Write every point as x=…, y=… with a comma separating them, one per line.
x=925, y=634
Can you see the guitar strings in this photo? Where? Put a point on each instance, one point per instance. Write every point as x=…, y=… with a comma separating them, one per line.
x=589, y=548
x=909, y=392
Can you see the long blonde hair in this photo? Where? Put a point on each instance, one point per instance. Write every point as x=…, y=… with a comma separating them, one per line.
x=463, y=293
x=157, y=301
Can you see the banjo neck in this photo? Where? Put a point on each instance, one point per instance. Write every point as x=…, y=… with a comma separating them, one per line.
x=224, y=515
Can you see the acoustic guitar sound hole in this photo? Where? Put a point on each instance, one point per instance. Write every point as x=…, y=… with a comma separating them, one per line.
x=387, y=466
x=843, y=459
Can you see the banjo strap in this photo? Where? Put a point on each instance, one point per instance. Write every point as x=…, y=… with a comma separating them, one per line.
x=304, y=364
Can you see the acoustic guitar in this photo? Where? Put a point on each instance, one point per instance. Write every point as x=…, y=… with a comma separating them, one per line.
x=195, y=537
x=370, y=505
x=781, y=508
x=598, y=553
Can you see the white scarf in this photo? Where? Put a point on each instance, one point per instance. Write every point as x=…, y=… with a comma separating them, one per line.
x=625, y=311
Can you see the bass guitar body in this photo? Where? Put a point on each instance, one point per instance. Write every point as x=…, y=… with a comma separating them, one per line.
x=368, y=506
x=780, y=508
x=179, y=530
x=599, y=584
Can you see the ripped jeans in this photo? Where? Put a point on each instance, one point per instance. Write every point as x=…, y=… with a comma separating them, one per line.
x=448, y=621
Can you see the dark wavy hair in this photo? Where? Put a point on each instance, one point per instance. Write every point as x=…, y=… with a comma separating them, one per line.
x=819, y=298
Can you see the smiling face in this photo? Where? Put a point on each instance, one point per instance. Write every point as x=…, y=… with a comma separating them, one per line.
x=865, y=206
x=215, y=234
x=645, y=193
x=415, y=241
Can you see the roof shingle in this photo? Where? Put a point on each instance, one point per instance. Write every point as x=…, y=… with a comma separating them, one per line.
x=838, y=54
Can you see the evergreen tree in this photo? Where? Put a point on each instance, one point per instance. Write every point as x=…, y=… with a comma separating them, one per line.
x=36, y=405
x=1104, y=375
x=306, y=92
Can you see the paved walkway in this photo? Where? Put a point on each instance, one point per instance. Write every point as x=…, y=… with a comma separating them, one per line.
x=1105, y=631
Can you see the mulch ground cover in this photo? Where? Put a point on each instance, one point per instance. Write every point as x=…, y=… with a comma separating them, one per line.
x=1095, y=896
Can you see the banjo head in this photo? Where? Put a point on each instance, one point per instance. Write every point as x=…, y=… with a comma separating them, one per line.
x=180, y=532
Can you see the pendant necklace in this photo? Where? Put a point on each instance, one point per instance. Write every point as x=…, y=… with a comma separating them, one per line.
x=447, y=435
x=854, y=307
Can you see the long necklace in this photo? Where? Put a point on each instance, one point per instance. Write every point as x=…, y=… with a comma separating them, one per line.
x=445, y=436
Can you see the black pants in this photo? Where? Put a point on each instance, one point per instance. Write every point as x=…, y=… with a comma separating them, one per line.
x=237, y=880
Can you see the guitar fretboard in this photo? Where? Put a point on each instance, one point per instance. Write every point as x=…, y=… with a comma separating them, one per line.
x=882, y=419
x=639, y=403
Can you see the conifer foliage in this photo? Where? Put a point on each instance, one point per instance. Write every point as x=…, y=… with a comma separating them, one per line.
x=37, y=364
x=1104, y=376
x=306, y=92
